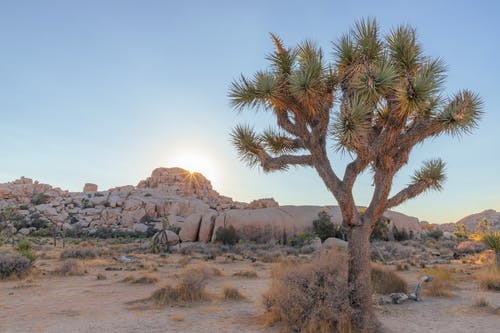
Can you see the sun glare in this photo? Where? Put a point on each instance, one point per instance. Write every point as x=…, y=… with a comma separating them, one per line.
x=195, y=163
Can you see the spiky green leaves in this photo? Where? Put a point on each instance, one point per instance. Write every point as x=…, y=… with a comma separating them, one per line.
x=352, y=125
x=432, y=174
x=254, y=93
x=298, y=81
x=493, y=241
x=278, y=142
x=254, y=148
x=248, y=144
x=404, y=50
x=462, y=113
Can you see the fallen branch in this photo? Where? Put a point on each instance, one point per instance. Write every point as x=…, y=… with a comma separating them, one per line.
x=398, y=298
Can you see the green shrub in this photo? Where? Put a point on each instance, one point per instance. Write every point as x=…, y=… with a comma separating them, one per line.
x=400, y=235
x=13, y=265
x=25, y=249
x=435, y=234
x=302, y=239
x=381, y=230
x=226, y=235
x=324, y=228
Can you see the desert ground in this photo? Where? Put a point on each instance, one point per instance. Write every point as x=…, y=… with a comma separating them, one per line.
x=111, y=292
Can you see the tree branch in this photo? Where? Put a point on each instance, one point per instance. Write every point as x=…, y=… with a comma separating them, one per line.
x=270, y=163
x=409, y=192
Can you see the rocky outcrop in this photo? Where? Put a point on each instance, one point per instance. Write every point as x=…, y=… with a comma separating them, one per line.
x=263, y=203
x=180, y=182
x=471, y=221
x=89, y=187
x=186, y=199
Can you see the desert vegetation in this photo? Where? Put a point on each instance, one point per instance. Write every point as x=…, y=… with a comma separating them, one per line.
x=389, y=100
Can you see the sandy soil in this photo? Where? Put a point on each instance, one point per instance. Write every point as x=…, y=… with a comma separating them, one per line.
x=48, y=303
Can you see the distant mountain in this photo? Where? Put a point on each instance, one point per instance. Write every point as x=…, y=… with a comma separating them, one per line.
x=471, y=221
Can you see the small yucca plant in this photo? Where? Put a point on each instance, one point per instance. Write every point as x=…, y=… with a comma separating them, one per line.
x=493, y=242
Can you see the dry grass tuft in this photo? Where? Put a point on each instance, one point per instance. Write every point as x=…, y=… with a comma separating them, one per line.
x=71, y=267
x=101, y=276
x=191, y=288
x=80, y=253
x=386, y=281
x=402, y=267
x=147, y=278
x=246, y=273
x=96, y=262
x=203, y=268
x=232, y=294
x=489, y=278
x=441, y=284
x=481, y=302
x=184, y=261
x=311, y=297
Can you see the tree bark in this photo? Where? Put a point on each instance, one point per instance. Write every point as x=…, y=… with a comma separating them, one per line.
x=359, y=277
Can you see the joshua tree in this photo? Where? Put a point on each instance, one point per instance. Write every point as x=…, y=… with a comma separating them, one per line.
x=492, y=240
x=375, y=102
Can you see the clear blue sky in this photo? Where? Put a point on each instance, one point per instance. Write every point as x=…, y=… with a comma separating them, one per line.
x=105, y=91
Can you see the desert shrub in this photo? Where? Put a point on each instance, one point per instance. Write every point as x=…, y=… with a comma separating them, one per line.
x=392, y=250
x=246, y=273
x=79, y=253
x=482, y=302
x=232, y=294
x=435, y=234
x=441, y=284
x=190, y=288
x=226, y=235
x=489, y=278
x=210, y=250
x=400, y=235
x=203, y=268
x=381, y=230
x=386, y=281
x=70, y=267
x=309, y=296
x=143, y=279
x=13, y=265
x=101, y=276
x=324, y=228
x=25, y=249
x=469, y=247
x=447, y=244
x=304, y=238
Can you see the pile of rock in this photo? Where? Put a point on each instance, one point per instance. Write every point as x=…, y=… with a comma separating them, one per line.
x=186, y=199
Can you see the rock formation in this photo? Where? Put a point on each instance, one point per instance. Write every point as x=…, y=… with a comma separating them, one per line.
x=186, y=199
x=471, y=221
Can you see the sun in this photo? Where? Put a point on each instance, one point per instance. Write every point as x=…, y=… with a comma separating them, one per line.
x=195, y=162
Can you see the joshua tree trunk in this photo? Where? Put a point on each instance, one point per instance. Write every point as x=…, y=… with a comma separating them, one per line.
x=359, y=277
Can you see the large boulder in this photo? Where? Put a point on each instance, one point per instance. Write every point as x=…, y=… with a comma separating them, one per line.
x=190, y=228
x=334, y=243
x=89, y=187
x=276, y=224
x=207, y=226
